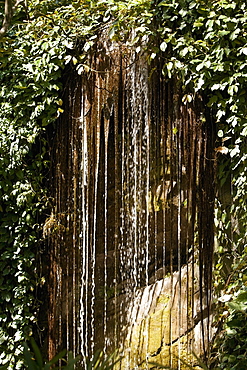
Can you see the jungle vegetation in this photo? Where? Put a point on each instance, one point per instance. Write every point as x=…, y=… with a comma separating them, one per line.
x=201, y=43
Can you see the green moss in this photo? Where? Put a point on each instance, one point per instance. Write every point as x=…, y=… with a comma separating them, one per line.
x=163, y=298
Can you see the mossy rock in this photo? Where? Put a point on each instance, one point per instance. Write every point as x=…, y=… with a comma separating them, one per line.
x=164, y=331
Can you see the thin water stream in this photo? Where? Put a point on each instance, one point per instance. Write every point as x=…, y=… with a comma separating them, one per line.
x=133, y=194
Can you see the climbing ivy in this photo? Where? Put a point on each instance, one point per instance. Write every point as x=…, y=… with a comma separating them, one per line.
x=201, y=43
x=29, y=96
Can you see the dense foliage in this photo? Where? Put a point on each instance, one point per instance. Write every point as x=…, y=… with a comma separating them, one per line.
x=29, y=77
x=232, y=342
x=202, y=43
x=33, y=358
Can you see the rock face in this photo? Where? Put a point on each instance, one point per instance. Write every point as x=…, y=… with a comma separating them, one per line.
x=164, y=323
x=133, y=200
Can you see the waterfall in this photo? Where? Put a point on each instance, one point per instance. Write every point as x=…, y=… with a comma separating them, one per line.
x=131, y=233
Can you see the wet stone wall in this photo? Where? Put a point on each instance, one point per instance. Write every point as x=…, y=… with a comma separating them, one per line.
x=132, y=187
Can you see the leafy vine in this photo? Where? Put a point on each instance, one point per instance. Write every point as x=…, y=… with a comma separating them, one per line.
x=201, y=43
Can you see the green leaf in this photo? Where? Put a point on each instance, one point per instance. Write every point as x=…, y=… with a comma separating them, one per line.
x=55, y=359
x=163, y=46
x=243, y=51
x=234, y=151
x=29, y=358
x=244, y=131
x=223, y=33
x=212, y=100
x=220, y=133
x=198, y=24
x=71, y=361
x=237, y=306
x=242, y=297
x=235, y=323
x=37, y=354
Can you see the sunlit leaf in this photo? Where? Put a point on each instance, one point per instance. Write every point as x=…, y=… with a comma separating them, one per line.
x=163, y=46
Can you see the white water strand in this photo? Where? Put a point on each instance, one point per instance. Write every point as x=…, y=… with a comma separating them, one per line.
x=93, y=251
x=84, y=237
x=134, y=137
x=179, y=195
x=135, y=176
x=140, y=177
x=106, y=134
x=146, y=176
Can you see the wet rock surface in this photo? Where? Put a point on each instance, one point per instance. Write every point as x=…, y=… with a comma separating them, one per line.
x=163, y=322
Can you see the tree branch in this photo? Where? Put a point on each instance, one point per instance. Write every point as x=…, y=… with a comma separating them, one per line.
x=9, y=10
x=8, y=14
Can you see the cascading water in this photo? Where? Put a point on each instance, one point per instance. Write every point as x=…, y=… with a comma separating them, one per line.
x=132, y=186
